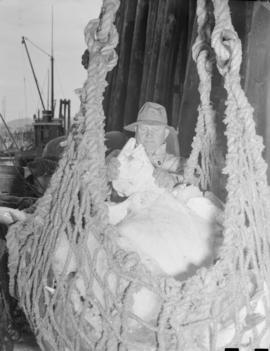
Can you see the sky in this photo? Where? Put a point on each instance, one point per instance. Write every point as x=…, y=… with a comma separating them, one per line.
x=32, y=19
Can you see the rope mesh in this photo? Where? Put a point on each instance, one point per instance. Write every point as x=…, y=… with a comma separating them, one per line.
x=200, y=165
x=84, y=301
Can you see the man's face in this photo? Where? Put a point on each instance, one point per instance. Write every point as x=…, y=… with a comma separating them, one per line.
x=150, y=136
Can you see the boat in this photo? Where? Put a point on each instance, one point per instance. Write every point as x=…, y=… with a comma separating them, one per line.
x=46, y=126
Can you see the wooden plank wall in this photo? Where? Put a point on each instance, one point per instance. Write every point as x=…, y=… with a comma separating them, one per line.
x=154, y=39
x=257, y=81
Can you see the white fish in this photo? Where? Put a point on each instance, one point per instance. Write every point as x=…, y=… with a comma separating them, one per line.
x=172, y=232
x=168, y=231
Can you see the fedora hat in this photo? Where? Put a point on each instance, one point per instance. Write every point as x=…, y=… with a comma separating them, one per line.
x=150, y=113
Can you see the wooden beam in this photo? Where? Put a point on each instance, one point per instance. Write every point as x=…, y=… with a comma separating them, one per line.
x=166, y=46
x=150, y=35
x=118, y=93
x=136, y=62
x=155, y=50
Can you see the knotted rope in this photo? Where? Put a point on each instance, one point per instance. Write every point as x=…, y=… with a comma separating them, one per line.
x=245, y=252
x=74, y=204
x=200, y=165
x=248, y=193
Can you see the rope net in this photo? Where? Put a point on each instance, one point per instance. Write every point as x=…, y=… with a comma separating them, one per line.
x=85, y=302
x=200, y=165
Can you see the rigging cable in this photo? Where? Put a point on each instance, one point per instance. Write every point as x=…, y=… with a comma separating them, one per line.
x=37, y=47
x=26, y=74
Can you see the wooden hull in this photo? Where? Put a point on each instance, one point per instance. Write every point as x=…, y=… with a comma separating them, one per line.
x=11, y=178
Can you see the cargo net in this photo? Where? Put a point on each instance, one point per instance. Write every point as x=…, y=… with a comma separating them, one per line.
x=77, y=287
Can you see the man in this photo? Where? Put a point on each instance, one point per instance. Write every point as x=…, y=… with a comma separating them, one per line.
x=151, y=130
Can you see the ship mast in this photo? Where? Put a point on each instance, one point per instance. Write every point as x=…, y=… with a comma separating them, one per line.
x=51, y=115
x=33, y=71
x=54, y=127
x=52, y=71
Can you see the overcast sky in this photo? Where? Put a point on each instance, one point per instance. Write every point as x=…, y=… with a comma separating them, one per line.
x=32, y=19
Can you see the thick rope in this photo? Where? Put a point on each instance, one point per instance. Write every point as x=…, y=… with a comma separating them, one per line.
x=84, y=173
x=200, y=165
x=247, y=207
x=225, y=288
x=248, y=192
x=75, y=219
x=246, y=246
x=106, y=20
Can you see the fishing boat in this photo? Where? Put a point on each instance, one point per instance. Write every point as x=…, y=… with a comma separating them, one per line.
x=46, y=126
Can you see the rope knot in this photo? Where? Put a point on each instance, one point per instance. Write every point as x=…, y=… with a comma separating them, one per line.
x=127, y=261
x=97, y=47
x=106, y=19
x=171, y=289
x=228, y=51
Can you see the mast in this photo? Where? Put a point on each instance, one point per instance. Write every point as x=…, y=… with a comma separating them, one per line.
x=33, y=71
x=52, y=71
x=48, y=91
